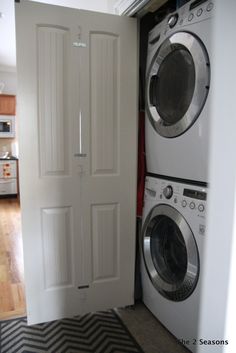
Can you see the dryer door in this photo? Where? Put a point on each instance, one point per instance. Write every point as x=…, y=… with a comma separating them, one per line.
x=170, y=253
x=177, y=84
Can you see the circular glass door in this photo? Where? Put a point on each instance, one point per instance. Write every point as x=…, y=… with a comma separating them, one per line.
x=177, y=84
x=170, y=253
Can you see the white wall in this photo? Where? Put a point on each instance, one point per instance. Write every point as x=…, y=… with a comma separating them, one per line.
x=9, y=78
x=7, y=34
x=218, y=309
x=93, y=5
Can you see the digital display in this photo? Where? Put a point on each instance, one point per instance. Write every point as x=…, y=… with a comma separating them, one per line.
x=196, y=3
x=199, y=195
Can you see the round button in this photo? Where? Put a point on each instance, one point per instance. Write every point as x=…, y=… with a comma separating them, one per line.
x=175, y=200
x=192, y=205
x=181, y=21
x=199, y=12
x=184, y=203
x=173, y=20
x=168, y=192
x=190, y=17
x=210, y=6
x=201, y=207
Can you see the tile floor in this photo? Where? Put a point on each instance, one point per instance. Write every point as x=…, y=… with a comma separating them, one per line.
x=148, y=331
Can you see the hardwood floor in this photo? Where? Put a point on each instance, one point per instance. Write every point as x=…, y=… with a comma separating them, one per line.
x=12, y=294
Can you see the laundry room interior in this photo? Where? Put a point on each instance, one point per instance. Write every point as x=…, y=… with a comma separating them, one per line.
x=117, y=176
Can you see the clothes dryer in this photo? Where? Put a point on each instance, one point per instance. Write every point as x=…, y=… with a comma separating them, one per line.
x=172, y=242
x=178, y=93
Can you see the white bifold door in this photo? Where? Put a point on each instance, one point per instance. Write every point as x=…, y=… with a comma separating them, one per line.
x=77, y=113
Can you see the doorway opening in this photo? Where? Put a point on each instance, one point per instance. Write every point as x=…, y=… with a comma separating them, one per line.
x=12, y=292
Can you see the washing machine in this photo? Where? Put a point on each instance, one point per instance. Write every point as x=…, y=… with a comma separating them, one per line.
x=178, y=93
x=172, y=242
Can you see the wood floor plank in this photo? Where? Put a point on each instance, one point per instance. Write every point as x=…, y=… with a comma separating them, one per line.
x=18, y=294
x=4, y=274
x=6, y=298
x=12, y=293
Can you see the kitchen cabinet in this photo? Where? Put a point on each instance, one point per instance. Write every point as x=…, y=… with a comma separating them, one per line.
x=7, y=104
x=8, y=177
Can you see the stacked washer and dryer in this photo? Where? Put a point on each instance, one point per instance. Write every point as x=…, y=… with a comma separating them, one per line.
x=177, y=138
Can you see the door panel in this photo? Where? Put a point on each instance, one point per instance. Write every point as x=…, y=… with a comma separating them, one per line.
x=77, y=106
x=57, y=247
x=53, y=49
x=104, y=102
x=105, y=239
x=109, y=170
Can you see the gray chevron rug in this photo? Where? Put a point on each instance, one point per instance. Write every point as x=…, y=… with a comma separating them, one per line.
x=101, y=332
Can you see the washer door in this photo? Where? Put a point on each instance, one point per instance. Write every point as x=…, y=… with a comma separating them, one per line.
x=170, y=253
x=177, y=84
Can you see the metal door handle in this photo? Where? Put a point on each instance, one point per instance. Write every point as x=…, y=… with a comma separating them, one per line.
x=80, y=155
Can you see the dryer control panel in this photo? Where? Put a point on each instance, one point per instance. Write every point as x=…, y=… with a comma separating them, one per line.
x=192, y=12
x=195, y=12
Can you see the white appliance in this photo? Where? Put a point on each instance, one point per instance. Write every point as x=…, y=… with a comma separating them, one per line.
x=171, y=243
x=178, y=93
x=7, y=126
x=8, y=177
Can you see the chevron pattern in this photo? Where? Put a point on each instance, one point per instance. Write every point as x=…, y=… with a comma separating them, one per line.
x=101, y=332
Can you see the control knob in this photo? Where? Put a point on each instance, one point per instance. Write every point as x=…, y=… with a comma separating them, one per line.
x=173, y=20
x=184, y=203
x=201, y=207
x=168, y=191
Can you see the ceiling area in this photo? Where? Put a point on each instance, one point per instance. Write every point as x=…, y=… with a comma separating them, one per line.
x=7, y=25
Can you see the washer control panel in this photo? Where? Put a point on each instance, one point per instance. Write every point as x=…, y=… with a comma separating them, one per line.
x=184, y=197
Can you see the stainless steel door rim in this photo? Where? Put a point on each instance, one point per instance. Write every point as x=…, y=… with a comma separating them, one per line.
x=192, y=45
x=182, y=288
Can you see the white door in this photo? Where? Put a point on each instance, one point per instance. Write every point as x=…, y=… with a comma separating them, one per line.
x=77, y=95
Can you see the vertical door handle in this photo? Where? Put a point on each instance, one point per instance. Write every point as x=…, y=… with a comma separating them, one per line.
x=80, y=154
